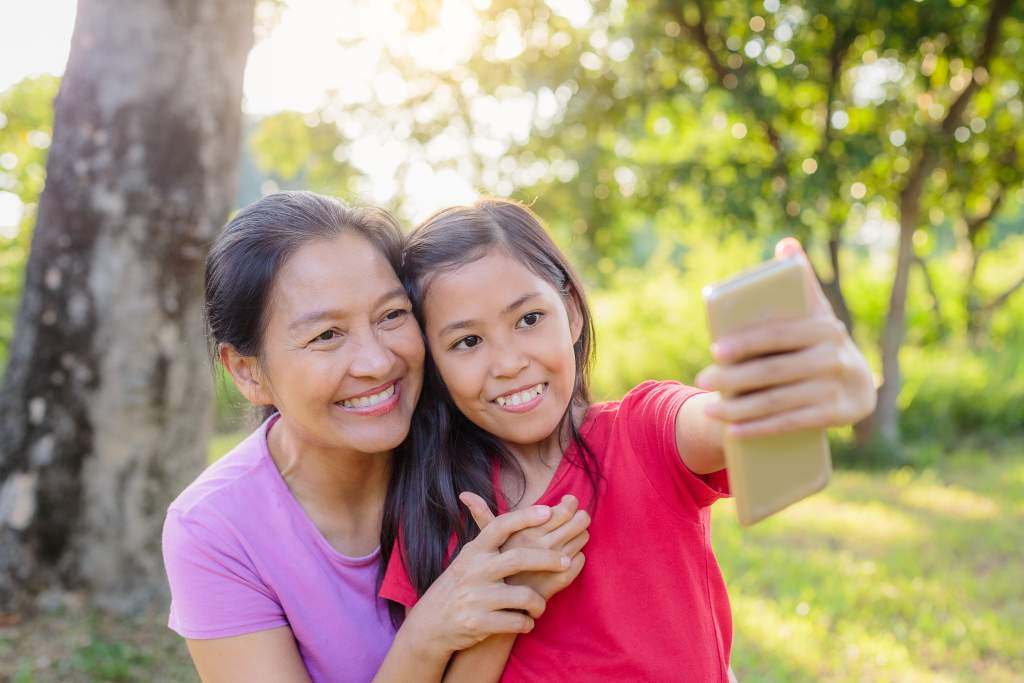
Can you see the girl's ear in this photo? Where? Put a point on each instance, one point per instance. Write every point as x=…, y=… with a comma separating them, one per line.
x=572, y=307
x=245, y=372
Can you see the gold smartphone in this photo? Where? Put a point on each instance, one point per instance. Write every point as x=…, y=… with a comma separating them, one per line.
x=768, y=473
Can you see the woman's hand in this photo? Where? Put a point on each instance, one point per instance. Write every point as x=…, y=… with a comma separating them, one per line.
x=471, y=601
x=789, y=375
x=566, y=532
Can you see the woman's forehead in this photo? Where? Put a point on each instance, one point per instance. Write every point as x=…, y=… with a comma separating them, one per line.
x=345, y=271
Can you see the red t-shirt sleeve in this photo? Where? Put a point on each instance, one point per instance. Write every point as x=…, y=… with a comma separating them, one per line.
x=397, y=585
x=650, y=411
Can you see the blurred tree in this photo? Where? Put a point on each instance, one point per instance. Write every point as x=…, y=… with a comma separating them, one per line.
x=104, y=406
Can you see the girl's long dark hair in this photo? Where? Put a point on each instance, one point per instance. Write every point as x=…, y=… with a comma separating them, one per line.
x=445, y=452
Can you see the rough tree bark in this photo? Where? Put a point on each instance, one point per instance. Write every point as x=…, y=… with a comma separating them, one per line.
x=104, y=409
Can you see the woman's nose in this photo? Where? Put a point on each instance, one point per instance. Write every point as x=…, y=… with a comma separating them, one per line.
x=371, y=359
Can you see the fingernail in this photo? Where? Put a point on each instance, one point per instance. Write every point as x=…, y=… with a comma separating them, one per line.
x=721, y=349
x=702, y=380
x=565, y=562
x=541, y=511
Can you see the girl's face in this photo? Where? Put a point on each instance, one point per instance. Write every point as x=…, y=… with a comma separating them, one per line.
x=502, y=338
x=342, y=354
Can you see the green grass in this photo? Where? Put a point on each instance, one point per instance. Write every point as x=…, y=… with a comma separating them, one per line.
x=894, y=576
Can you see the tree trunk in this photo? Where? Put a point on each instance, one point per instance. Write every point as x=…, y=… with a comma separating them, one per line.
x=104, y=409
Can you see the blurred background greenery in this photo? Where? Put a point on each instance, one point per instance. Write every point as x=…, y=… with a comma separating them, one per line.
x=669, y=145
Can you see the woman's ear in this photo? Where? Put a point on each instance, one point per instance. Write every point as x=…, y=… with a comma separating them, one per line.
x=245, y=372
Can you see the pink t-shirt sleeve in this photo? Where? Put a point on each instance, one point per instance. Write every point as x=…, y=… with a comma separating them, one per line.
x=397, y=586
x=215, y=592
x=650, y=410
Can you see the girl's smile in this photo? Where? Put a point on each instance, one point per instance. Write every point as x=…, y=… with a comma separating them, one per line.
x=522, y=400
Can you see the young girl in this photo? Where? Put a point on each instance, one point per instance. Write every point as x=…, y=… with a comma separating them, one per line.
x=506, y=416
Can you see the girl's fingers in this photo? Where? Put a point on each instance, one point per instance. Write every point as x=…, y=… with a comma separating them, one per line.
x=767, y=402
x=507, y=596
x=574, y=545
x=762, y=373
x=808, y=417
x=519, y=560
x=574, y=527
x=482, y=514
x=494, y=535
x=502, y=621
x=561, y=513
x=779, y=336
x=790, y=246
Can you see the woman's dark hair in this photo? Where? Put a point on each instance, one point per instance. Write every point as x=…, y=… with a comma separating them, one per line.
x=446, y=453
x=247, y=255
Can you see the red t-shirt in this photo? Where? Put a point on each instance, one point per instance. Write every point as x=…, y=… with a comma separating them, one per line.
x=650, y=604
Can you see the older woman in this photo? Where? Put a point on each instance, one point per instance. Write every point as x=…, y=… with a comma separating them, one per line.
x=273, y=554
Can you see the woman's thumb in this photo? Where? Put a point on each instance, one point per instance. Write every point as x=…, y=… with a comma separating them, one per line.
x=482, y=514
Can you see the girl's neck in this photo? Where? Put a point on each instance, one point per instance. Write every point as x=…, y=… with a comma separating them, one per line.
x=539, y=461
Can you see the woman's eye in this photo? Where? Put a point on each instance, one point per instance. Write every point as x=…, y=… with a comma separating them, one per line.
x=396, y=314
x=530, y=319
x=467, y=342
x=326, y=335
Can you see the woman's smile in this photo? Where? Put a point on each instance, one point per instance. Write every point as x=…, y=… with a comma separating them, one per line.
x=377, y=401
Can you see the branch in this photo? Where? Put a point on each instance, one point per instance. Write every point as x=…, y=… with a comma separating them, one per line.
x=991, y=306
x=910, y=196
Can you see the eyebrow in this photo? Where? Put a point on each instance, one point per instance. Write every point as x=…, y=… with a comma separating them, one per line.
x=462, y=324
x=334, y=313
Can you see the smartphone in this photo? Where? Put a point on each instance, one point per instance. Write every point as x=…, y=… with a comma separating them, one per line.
x=768, y=473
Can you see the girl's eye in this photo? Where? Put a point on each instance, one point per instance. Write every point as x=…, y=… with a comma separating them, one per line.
x=467, y=342
x=530, y=319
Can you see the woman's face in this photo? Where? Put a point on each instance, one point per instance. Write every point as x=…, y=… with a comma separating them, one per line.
x=342, y=354
x=502, y=338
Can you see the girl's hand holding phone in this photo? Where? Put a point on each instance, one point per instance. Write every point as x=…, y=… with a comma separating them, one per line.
x=790, y=375
x=565, y=532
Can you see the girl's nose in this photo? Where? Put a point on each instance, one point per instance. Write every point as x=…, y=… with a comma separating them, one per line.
x=508, y=363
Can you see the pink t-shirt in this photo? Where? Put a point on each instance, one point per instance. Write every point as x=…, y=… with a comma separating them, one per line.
x=242, y=556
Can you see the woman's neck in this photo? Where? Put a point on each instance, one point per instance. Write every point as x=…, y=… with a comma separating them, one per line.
x=341, y=490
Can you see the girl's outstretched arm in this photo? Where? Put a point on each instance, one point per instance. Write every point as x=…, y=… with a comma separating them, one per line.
x=779, y=377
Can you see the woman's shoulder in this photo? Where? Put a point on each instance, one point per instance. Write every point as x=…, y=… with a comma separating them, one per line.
x=235, y=485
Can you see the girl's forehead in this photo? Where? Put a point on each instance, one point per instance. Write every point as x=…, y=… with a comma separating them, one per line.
x=488, y=286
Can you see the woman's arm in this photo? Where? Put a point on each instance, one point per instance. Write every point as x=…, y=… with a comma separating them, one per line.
x=778, y=377
x=269, y=656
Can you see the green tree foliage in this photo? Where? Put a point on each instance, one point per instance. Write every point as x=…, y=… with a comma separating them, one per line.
x=26, y=119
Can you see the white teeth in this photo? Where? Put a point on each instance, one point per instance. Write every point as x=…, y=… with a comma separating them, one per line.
x=369, y=401
x=521, y=397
